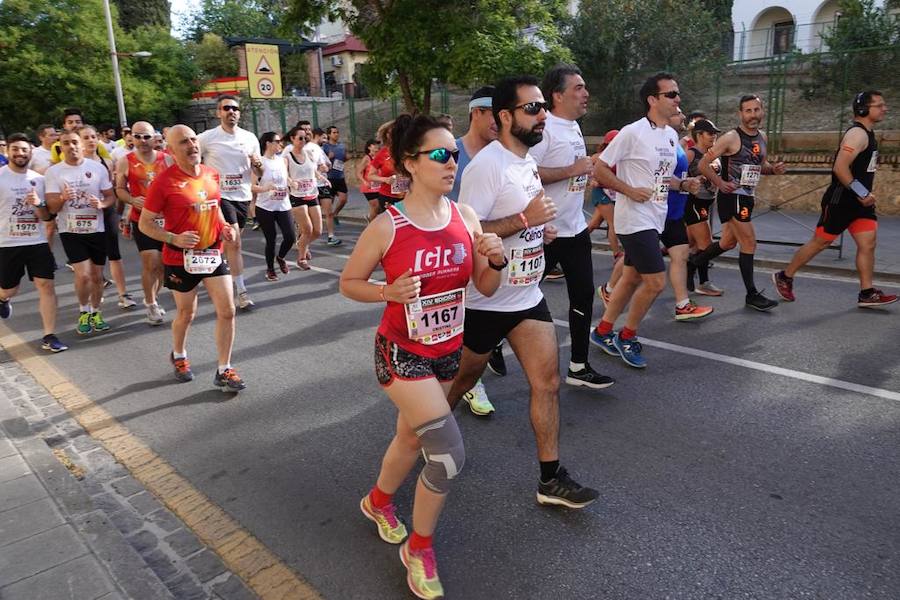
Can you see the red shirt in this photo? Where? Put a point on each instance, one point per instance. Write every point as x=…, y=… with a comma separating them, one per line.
x=383, y=163
x=188, y=203
x=443, y=259
x=140, y=176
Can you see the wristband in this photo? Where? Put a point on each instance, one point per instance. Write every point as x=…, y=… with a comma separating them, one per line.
x=523, y=219
x=169, y=237
x=381, y=292
x=498, y=267
x=858, y=188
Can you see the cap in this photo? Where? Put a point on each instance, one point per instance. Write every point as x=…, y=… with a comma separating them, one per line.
x=610, y=135
x=705, y=125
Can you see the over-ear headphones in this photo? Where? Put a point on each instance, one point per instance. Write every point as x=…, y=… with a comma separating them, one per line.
x=861, y=104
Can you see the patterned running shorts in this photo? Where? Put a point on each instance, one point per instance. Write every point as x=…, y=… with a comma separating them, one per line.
x=393, y=362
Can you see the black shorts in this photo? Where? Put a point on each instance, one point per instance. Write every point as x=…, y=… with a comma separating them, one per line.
x=735, y=206
x=111, y=224
x=235, y=212
x=697, y=210
x=385, y=201
x=675, y=233
x=15, y=260
x=325, y=192
x=298, y=202
x=840, y=208
x=393, y=362
x=370, y=196
x=484, y=329
x=144, y=241
x=84, y=246
x=642, y=251
x=179, y=280
x=338, y=185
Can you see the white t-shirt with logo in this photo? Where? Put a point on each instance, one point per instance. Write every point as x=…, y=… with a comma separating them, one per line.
x=499, y=184
x=275, y=172
x=229, y=154
x=644, y=157
x=562, y=145
x=40, y=159
x=90, y=178
x=19, y=223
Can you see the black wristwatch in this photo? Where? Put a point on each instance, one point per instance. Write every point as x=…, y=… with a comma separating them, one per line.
x=498, y=267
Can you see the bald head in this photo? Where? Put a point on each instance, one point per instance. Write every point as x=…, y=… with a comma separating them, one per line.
x=142, y=133
x=183, y=143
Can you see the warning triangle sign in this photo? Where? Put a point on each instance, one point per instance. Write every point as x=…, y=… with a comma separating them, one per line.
x=263, y=67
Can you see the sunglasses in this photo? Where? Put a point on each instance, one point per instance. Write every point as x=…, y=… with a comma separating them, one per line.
x=440, y=155
x=533, y=108
x=231, y=107
x=142, y=136
x=278, y=141
x=671, y=95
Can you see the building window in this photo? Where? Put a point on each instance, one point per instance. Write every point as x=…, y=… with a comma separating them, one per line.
x=783, y=38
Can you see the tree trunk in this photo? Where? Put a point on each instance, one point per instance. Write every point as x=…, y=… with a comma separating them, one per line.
x=426, y=95
x=408, y=100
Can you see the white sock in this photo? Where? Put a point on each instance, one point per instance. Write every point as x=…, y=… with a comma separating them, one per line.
x=239, y=282
x=223, y=367
x=94, y=309
x=178, y=355
x=86, y=308
x=683, y=303
x=574, y=366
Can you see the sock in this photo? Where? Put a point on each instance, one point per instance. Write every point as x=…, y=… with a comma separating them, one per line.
x=604, y=327
x=179, y=355
x=44, y=339
x=683, y=303
x=222, y=368
x=627, y=334
x=239, y=282
x=745, y=261
x=704, y=256
x=86, y=308
x=703, y=272
x=378, y=498
x=784, y=275
x=866, y=291
x=549, y=469
x=417, y=542
x=94, y=309
x=575, y=367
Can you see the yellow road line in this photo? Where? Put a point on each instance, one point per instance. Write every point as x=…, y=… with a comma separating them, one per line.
x=242, y=553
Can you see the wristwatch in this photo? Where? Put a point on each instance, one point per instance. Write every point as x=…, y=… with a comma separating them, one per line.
x=498, y=267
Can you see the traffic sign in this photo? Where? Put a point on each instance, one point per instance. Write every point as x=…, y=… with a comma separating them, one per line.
x=263, y=71
x=265, y=87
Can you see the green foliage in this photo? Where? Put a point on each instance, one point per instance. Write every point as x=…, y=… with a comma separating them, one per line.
x=235, y=18
x=213, y=58
x=413, y=43
x=618, y=43
x=862, y=25
x=148, y=13
x=294, y=71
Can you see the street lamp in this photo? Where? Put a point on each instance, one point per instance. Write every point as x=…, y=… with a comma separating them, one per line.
x=114, y=56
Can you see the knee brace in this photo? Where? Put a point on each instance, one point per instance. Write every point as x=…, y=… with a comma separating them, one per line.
x=445, y=456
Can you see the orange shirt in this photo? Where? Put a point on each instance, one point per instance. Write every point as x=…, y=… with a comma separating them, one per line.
x=140, y=176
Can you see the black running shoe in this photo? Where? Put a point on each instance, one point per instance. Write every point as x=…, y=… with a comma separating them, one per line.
x=496, y=362
x=759, y=302
x=588, y=377
x=562, y=490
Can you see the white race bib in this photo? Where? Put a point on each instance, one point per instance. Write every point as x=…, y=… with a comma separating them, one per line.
x=400, y=185
x=526, y=265
x=82, y=223
x=873, y=162
x=661, y=189
x=436, y=318
x=338, y=165
x=232, y=182
x=577, y=184
x=750, y=175
x=202, y=262
x=304, y=187
x=23, y=226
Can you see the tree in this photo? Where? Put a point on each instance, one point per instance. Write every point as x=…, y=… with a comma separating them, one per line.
x=149, y=13
x=213, y=58
x=862, y=25
x=413, y=43
x=294, y=71
x=235, y=18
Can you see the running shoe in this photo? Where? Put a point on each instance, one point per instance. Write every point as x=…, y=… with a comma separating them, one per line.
x=478, y=402
x=875, y=298
x=555, y=274
x=630, y=350
x=244, y=301
x=52, y=343
x=496, y=362
x=106, y=283
x=708, y=288
x=282, y=264
x=155, y=314
x=126, y=302
x=5, y=309
x=784, y=286
x=98, y=323
x=303, y=264
x=271, y=276
x=562, y=490
x=84, y=324
x=182, y=367
x=390, y=528
x=588, y=377
x=692, y=312
x=605, y=342
x=604, y=295
x=422, y=575
x=337, y=221
x=254, y=224
x=759, y=302
x=229, y=381
x=333, y=241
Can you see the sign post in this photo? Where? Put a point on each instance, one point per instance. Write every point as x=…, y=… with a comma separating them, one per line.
x=263, y=71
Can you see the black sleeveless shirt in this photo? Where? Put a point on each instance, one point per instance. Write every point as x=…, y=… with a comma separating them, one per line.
x=744, y=167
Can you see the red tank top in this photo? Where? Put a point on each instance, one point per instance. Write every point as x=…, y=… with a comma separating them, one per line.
x=432, y=326
x=140, y=176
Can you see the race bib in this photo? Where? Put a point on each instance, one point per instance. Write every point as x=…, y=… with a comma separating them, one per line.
x=577, y=184
x=232, y=182
x=338, y=165
x=873, y=162
x=750, y=175
x=23, y=226
x=202, y=262
x=661, y=189
x=279, y=193
x=400, y=185
x=526, y=265
x=82, y=223
x=436, y=318
x=304, y=187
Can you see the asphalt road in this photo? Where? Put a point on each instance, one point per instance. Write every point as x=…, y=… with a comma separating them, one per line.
x=718, y=478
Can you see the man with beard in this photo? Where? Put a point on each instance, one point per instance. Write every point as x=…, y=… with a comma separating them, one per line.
x=502, y=185
x=743, y=152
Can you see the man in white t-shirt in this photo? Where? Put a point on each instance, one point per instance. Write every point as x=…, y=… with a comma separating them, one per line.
x=40, y=156
x=644, y=156
x=564, y=167
x=502, y=185
x=78, y=189
x=234, y=153
x=23, y=244
x=316, y=153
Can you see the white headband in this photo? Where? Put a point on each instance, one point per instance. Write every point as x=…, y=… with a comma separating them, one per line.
x=485, y=102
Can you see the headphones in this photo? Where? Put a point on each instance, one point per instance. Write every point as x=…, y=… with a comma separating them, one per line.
x=861, y=104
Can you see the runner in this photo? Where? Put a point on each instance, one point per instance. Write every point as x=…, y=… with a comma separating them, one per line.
x=604, y=202
x=337, y=155
x=272, y=204
x=743, y=152
x=23, y=244
x=418, y=344
x=644, y=156
x=687, y=141
x=40, y=156
x=133, y=179
x=564, y=167
x=234, y=153
x=393, y=186
x=696, y=215
x=3, y=158
x=72, y=120
x=304, y=197
x=186, y=195
x=502, y=185
x=74, y=189
x=107, y=135
x=368, y=189
x=91, y=142
x=314, y=150
x=849, y=204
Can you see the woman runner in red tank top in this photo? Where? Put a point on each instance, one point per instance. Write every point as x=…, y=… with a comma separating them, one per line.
x=429, y=248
